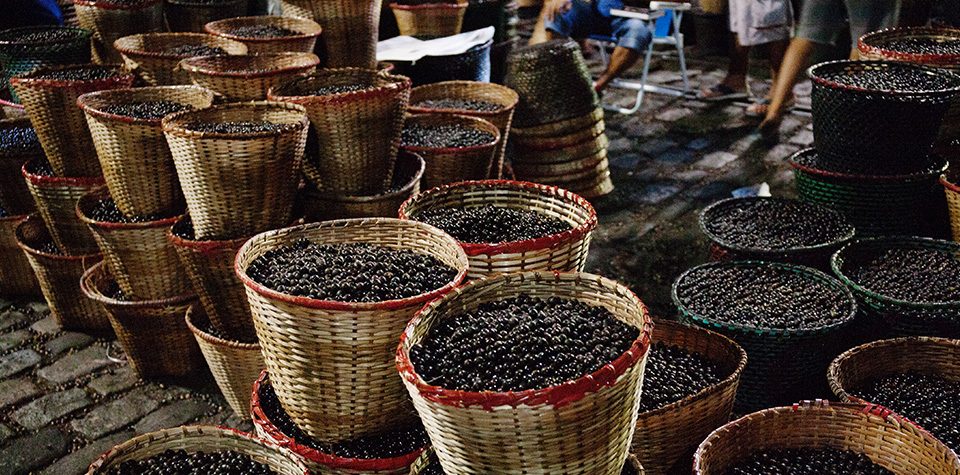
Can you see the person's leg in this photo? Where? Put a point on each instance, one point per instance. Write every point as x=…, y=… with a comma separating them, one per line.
x=620, y=60
x=734, y=84
x=633, y=37
x=866, y=17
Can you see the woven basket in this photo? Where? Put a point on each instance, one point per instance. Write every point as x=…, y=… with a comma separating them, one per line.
x=56, y=200
x=430, y=19
x=235, y=365
x=503, y=96
x=191, y=16
x=14, y=194
x=317, y=461
x=454, y=164
x=596, y=146
x=561, y=172
x=532, y=143
x=562, y=127
x=134, y=154
x=472, y=65
x=332, y=362
x=358, y=132
x=109, y=22
x=200, y=438
x=553, y=83
x=16, y=274
x=899, y=317
x=247, y=77
x=319, y=206
x=303, y=42
x=153, y=334
x=146, y=54
x=599, y=185
x=665, y=438
x=60, y=124
x=237, y=185
x=18, y=58
x=552, y=430
x=952, y=191
x=429, y=456
x=872, y=46
x=784, y=364
x=350, y=29
x=59, y=278
x=566, y=251
x=210, y=267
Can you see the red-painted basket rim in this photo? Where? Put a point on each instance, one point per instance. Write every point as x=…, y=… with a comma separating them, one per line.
x=213, y=28
x=48, y=255
x=136, y=52
x=216, y=340
x=80, y=84
x=170, y=126
x=104, y=192
x=116, y=6
x=58, y=180
x=478, y=123
x=396, y=82
x=793, y=161
x=189, y=65
x=515, y=98
x=83, y=98
x=94, y=293
x=200, y=244
x=431, y=6
x=945, y=181
x=924, y=58
x=812, y=74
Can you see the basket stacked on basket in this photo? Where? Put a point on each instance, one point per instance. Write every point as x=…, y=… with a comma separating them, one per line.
x=430, y=19
x=454, y=148
x=247, y=77
x=154, y=56
x=268, y=33
x=27, y=48
x=110, y=21
x=18, y=144
x=350, y=29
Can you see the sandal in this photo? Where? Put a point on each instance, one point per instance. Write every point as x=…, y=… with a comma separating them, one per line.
x=759, y=107
x=720, y=92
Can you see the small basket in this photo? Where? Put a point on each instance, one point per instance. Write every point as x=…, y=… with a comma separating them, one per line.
x=247, y=77
x=899, y=317
x=56, y=200
x=191, y=16
x=111, y=21
x=358, y=132
x=153, y=334
x=134, y=155
x=19, y=58
x=196, y=439
x=332, y=363
x=237, y=185
x=59, y=278
x=235, y=365
x=14, y=194
x=60, y=124
x=952, y=191
x=303, y=42
x=553, y=83
x=872, y=46
x=16, y=274
x=430, y=19
x=350, y=29
x=146, y=54
x=454, y=164
x=566, y=251
x=886, y=438
x=523, y=432
x=471, y=65
x=666, y=438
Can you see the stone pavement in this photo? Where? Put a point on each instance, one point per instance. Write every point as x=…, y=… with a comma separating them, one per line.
x=63, y=402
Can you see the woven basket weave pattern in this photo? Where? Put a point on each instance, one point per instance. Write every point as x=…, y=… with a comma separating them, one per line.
x=350, y=29
x=553, y=83
x=109, y=23
x=14, y=194
x=304, y=41
x=22, y=58
x=455, y=164
x=191, y=16
x=146, y=54
x=952, y=192
x=16, y=274
x=431, y=19
x=218, y=73
x=56, y=199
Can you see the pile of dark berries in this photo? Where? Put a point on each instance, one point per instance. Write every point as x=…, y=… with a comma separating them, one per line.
x=520, y=343
x=187, y=51
x=923, y=45
x=493, y=224
x=184, y=229
x=49, y=247
x=84, y=73
x=247, y=127
x=444, y=136
x=202, y=2
x=773, y=224
x=891, y=76
x=355, y=272
x=40, y=168
x=807, y=462
x=46, y=35
x=179, y=462
x=262, y=31
x=915, y=275
x=930, y=401
x=433, y=468
x=459, y=104
x=106, y=211
x=19, y=141
x=762, y=296
x=331, y=90
x=673, y=374
x=112, y=290
x=147, y=109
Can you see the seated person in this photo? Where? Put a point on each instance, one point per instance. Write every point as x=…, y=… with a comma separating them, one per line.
x=30, y=13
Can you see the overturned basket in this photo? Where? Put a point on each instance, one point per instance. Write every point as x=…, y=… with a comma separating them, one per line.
x=247, y=77
x=149, y=56
x=56, y=200
x=553, y=83
x=304, y=39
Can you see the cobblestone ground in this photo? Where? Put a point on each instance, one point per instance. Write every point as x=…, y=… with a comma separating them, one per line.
x=63, y=402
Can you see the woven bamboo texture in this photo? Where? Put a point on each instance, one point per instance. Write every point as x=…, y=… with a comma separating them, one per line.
x=109, y=22
x=192, y=16
x=16, y=274
x=60, y=124
x=666, y=438
x=430, y=19
x=59, y=278
x=562, y=172
x=247, y=77
x=235, y=365
x=886, y=438
x=566, y=251
x=553, y=83
x=350, y=29
x=332, y=363
x=147, y=56
x=560, y=156
x=562, y=127
x=631, y=467
x=358, y=132
x=14, y=194
x=454, y=164
x=209, y=264
x=134, y=155
x=153, y=333
x=304, y=41
x=56, y=200
x=200, y=438
x=535, y=143
x=19, y=58
x=529, y=431
x=237, y=185
x=950, y=189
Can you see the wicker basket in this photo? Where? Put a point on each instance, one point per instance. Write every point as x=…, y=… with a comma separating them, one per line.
x=235, y=364
x=472, y=65
x=665, y=438
x=358, y=131
x=304, y=41
x=600, y=184
x=872, y=46
x=594, y=147
x=430, y=19
x=191, y=16
x=561, y=127
x=454, y=164
x=56, y=199
x=147, y=56
x=59, y=278
x=247, y=77
x=559, y=173
x=16, y=274
x=533, y=143
x=153, y=334
x=566, y=251
x=210, y=267
x=552, y=430
x=200, y=438
x=332, y=362
x=429, y=456
x=319, y=206
x=237, y=185
x=60, y=124
x=503, y=96
x=350, y=29
x=950, y=188
x=134, y=154
x=19, y=58
x=553, y=83
x=110, y=21
x=14, y=194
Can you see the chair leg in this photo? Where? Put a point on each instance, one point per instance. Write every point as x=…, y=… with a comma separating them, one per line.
x=641, y=87
x=683, y=63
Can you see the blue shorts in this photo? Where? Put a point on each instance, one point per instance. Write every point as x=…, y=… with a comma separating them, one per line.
x=584, y=19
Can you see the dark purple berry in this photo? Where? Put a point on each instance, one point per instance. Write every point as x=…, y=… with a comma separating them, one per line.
x=672, y=374
x=444, y=136
x=147, y=110
x=262, y=31
x=807, y=461
x=493, y=224
x=459, y=104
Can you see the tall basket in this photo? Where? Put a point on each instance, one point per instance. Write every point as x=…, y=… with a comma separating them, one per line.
x=446, y=165
x=303, y=41
x=350, y=29
x=148, y=54
x=16, y=274
x=14, y=194
x=56, y=200
x=239, y=78
x=553, y=83
x=19, y=57
x=109, y=21
x=430, y=19
x=191, y=16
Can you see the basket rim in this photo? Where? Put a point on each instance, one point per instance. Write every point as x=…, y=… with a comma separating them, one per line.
x=117, y=6
x=431, y=6
x=189, y=64
x=170, y=126
x=6, y=103
x=83, y=99
x=822, y=277
x=201, y=244
x=58, y=180
x=473, y=249
x=397, y=82
x=48, y=255
x=475, y=123
x=213, y=339
x=122, y=76
x=118, y=44
x=221, y=4
x=93, y=292
x=103, y=192
x=812, y=73
x=261, y=289
x=84, y=35
x=945, y=181
x=792, y=160
x=864, y=46
x=213, y=28
x=373, y=198
x=514, y=99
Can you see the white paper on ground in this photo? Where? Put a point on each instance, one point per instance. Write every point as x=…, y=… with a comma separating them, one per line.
x=408, y=48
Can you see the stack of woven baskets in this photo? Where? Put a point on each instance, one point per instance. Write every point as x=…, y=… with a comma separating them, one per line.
x=350, y=29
